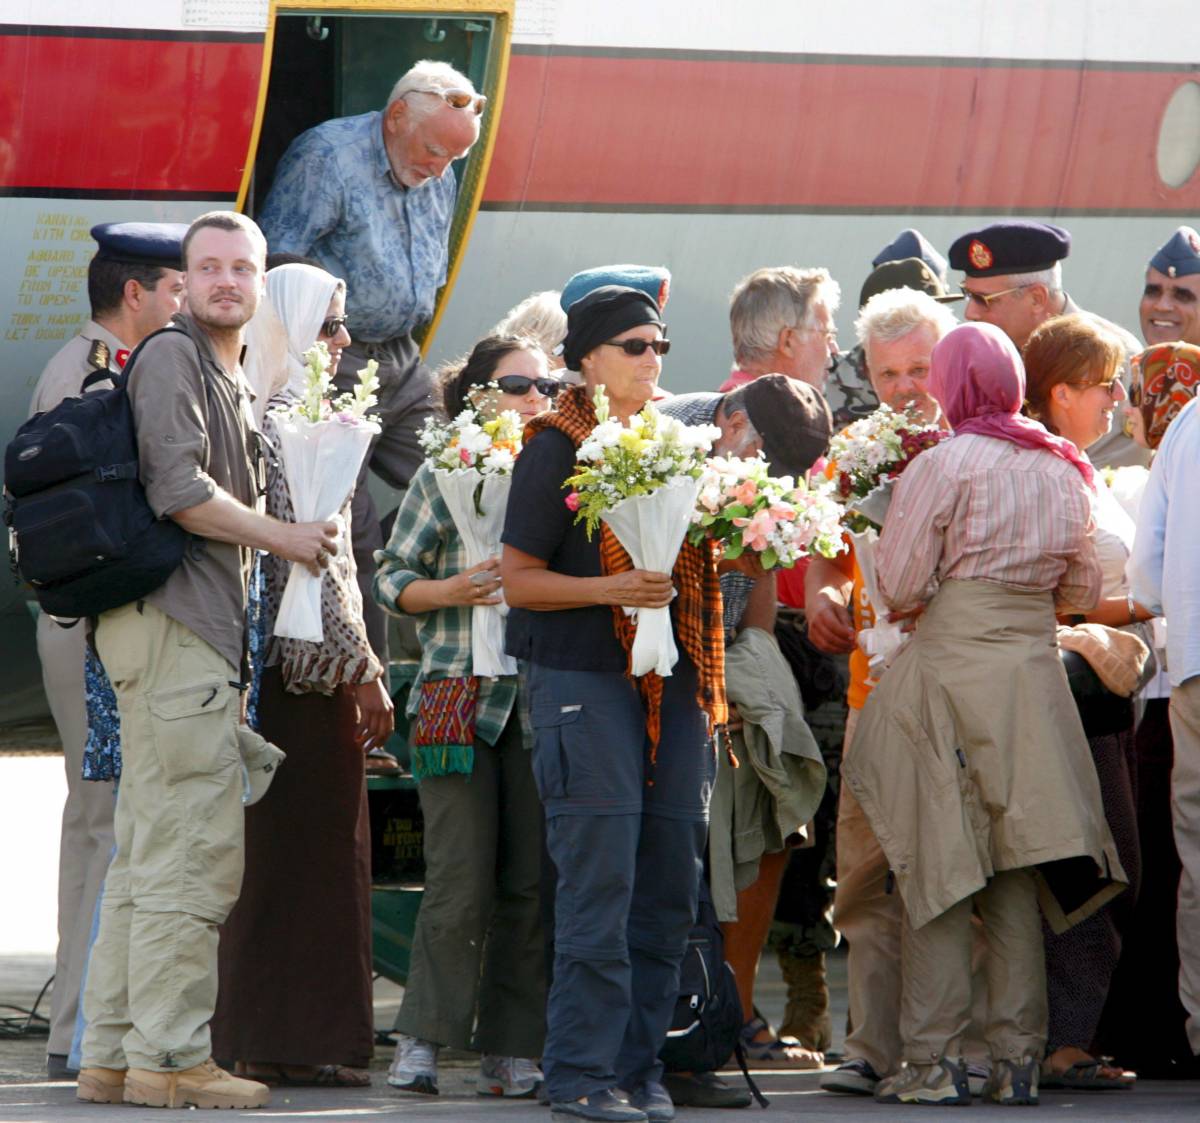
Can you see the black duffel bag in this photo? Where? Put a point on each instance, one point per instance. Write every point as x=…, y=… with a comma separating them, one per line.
x=81, y=530
x=1101, y=711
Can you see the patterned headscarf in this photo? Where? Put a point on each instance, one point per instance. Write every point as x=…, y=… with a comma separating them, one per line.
x=1165, y=379
x=976, y=375
x=696, y=610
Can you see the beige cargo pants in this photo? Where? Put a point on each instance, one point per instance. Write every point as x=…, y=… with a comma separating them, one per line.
x=152, y=978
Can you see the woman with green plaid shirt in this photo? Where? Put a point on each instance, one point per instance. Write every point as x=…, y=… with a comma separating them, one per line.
x=476, y=978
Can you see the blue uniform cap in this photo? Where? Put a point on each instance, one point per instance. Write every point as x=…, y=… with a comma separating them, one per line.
x=141, y=243
x=644, y=278
x=1017, y=246
x=1180, y=256
x=912, y=243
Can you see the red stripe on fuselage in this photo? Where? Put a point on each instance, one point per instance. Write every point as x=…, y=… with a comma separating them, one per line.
x=96, y=114
x=613, y=131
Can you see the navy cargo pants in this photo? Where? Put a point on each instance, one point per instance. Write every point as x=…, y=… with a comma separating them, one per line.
x=627, y=839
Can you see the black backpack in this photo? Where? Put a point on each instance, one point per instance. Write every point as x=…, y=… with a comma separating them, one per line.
x=706, y=1026
x=81, y=531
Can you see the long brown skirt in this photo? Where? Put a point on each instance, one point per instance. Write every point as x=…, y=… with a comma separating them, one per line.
x=295, y=953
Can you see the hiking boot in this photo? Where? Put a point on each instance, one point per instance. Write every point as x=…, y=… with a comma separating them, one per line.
x=938, y=1085
x=806, y=1017
x=653, y=1099
x=202, y=1085
x=603, y=1107
x=516, y=1077
x=414, y=1067
x=1013, y=1083
x=101, y=1085
x=855, y=1077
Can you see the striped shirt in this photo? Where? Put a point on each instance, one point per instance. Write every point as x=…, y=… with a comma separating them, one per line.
x=425, y=546
x=978, y=508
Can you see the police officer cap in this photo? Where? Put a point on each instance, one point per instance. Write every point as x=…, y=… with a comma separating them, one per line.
x=1180, y=257
x=644, y=278
x=141, y=243
x=1010, y=247
x=912, y=243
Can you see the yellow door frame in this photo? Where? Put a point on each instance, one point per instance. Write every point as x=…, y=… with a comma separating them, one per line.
x=494, y=85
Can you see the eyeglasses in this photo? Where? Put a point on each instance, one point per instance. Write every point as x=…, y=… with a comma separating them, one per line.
x=638, y=347
x=458, y=99
x=332, y=326
x=986, y=298
x=830, y=334
x=520, y=384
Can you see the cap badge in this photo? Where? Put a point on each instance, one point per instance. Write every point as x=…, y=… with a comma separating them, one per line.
x=980, y=256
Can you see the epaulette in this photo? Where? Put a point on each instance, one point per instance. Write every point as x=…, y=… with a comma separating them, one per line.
x=98, y=355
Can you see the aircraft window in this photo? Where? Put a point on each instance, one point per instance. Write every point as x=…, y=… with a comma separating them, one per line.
x=1179, y=136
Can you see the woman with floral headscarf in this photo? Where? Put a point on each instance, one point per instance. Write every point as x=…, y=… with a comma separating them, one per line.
x=969, y=759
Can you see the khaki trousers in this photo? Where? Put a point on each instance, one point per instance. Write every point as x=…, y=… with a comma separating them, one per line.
x=872, y=921
x=87, y=824
x=1185, y=813
x=152, y=981
x=935, y=1009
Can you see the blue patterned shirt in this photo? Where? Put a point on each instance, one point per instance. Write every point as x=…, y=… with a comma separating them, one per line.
x=335, y=199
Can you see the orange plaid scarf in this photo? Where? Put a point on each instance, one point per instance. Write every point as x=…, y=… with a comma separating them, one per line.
x=696, y=610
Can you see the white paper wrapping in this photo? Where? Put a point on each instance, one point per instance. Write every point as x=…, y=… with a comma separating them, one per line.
x=320, y=462
x=652, y=528
x=882, y=643
x=481, y=540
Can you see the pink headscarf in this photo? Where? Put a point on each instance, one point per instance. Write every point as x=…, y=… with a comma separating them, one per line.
x=977, y=376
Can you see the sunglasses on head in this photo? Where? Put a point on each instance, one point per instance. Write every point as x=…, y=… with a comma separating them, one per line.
x=519, y=384
x=332, y=326
x=637, y=347
x=458, y=99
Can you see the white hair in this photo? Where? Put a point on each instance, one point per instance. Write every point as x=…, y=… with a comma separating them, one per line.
x=424, y=76
x=769, y=300
x=540, y=317
x=894, y=313
x=1051, y=278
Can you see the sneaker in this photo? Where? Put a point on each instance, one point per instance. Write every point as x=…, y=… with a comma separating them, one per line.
x=414, y=1066
x=653, y=1099
x=516, y=1077
x=939, y=1085
x=1013, y=1082
x=856, y=1077
x=604, y=1107
x=101, y=1085
x=703, y=1089
x=202, y=1085
x=977, y=1076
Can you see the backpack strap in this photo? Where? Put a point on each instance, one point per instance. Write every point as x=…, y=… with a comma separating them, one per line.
x=740, y=1053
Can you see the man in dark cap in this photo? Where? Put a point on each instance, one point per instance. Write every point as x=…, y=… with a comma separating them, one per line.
x=1170, y=307
x=134, y=287
x=1014, y=280
x=911, y=243
x=788, y=421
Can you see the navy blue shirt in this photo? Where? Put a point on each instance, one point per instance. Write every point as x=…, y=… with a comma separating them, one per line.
x=539, y=522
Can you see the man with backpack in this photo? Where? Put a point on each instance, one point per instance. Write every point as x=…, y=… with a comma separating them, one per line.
x=135, y=286
x=176, y=661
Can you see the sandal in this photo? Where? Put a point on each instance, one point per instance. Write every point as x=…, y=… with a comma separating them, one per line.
x=1095, y=1075
x=779, y=1052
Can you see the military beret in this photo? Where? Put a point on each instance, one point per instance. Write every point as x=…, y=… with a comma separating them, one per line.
x=912, y=243
x=911, y=273
x=645, y=278
x=141, y=243
x=1180, y=256
x=1010, y=247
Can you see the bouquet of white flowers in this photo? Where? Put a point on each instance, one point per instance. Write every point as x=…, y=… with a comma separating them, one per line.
x=743, y=507
x=865, y=460
x=642, y=481
x=472, y=462
x=322, y=443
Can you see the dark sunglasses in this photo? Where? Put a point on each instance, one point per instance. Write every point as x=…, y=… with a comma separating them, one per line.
x=637, y=347
x=519, y=384
x=332, y=326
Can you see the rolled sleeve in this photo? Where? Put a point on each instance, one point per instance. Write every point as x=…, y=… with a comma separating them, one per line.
x=170, y=411
x=416, y=542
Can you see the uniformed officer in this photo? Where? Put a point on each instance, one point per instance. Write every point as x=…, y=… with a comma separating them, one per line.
x=1014, y=280
x=912, y=243
x=134, y=287
x=1170, y=307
